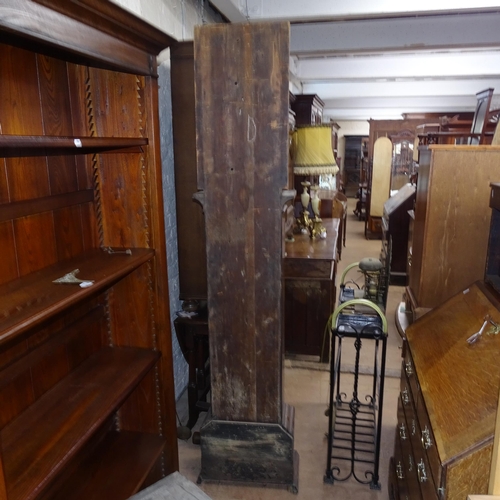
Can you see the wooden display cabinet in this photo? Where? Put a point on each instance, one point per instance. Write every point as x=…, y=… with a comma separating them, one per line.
x=86, y=380
x=308, y=109
x=452, y=222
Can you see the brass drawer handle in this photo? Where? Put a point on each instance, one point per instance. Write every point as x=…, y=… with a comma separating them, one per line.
x=402, y=432
x=413, y=427
x=405, y=397
x=410, y=463
x=426, y=438
x=422, y=476
x=408, y=369
x=399, y=471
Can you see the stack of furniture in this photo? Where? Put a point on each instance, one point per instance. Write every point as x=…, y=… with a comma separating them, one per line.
x=86, y=379
x=479, y=130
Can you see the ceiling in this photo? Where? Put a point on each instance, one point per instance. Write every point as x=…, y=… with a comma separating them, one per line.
x=378, y=60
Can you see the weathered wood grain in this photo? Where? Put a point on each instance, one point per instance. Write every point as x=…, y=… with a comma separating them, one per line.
x=241, y=74
x=452, y=220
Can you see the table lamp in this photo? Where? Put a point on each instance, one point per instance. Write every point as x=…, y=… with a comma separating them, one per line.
x=313, y=156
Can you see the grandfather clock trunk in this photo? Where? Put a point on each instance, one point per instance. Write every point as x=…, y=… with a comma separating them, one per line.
x=241, y=86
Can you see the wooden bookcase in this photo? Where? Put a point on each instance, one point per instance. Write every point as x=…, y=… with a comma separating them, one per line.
x=86, y=380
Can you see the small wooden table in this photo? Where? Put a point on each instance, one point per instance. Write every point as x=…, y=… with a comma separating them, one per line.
x=309, y=269
x=192, y=334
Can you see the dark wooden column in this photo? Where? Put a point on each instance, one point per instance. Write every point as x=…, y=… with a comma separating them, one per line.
x=241, y=86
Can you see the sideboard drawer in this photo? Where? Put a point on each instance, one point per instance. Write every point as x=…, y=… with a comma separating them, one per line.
x=308, y=268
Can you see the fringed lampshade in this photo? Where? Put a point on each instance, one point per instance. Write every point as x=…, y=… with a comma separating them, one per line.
x=313, y=153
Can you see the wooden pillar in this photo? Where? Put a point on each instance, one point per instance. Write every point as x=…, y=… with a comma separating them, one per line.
x=241, y=86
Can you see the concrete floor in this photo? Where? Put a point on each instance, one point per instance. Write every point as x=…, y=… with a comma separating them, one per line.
x=306, y=386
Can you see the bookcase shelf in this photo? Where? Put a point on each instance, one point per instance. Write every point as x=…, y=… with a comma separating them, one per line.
x=128, y=456
x=32, y=145
x=40, y=442
x=30, y=300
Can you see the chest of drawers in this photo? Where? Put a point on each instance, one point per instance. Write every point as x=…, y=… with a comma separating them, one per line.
x=448, y=401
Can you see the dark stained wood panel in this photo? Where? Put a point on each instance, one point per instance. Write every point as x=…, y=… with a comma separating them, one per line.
x=73, y=39
x=54, y=96
x=127, y=455
x=39, y=205
x=8, y=262
x=36, y=236
x=19, y=92
x=242, y=131
x=191, y=240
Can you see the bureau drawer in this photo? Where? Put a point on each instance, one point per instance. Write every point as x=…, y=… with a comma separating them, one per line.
x=400, y=486
x=411, y=376
x=393, y=482
x=405, y=395
x=427, y=466
x=424, y=476
x=407, y=459
x=428, y=443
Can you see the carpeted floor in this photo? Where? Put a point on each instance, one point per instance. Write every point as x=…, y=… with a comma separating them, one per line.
x=306, y=386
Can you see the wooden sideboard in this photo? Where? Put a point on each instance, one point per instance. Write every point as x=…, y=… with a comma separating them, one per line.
x=309, y=269
x=448, y=401
x=452, y=222
x=87, y=406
